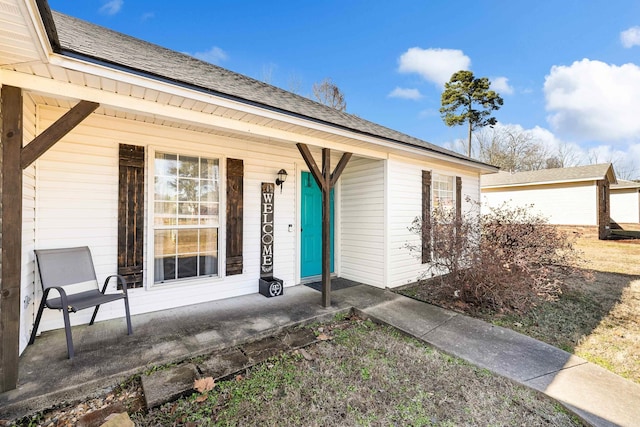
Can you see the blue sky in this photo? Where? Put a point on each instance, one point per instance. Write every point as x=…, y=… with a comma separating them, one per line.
x=569, y=71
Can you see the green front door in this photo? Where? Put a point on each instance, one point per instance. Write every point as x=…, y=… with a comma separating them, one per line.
x=311, y=238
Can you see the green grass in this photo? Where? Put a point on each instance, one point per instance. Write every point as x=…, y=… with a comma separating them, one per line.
x=365, y=375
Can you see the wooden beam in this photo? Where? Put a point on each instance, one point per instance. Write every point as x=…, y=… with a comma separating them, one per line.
x=311, y=164
x=13, y=159
x=56, y=131
x=339, y=168
x=326, y=227
x=326, y=181
x=11, y=238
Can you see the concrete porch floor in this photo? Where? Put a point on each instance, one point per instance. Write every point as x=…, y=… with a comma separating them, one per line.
x=105, y=355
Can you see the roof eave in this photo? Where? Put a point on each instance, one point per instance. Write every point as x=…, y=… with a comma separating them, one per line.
x=459, y=159
x=530, y=184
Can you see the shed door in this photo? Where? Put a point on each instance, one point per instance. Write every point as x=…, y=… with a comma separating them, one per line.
x=131, y=214
x=311, y=233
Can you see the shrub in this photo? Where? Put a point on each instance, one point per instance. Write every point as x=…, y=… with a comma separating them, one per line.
x=506, y=259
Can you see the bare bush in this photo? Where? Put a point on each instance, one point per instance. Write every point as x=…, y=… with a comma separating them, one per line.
x=507, y=259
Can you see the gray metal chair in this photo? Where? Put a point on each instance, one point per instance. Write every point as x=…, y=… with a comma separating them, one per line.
x=70, y=272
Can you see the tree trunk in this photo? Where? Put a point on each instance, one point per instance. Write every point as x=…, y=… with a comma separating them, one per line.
x=469, y=149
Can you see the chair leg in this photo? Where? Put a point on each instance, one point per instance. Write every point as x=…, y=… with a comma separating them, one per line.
x=37, y=323
x=126, y=309
x=67, y=330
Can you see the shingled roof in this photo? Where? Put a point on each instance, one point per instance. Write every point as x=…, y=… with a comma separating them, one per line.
x=547, y=176
x=81, y=39
x=624, y=184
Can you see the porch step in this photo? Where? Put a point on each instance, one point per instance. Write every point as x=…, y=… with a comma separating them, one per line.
x=165, y=385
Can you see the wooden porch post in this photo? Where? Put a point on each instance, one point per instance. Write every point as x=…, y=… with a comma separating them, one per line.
x=326, y=181
x=13, y=159
x=10, y=239
x=326, y=228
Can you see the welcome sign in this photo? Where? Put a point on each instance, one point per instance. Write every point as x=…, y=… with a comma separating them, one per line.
x=266, y=230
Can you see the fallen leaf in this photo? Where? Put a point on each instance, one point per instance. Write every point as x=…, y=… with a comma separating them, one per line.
x=323, y=337
x=239, y=377
x=202, y=398
x=204, y=384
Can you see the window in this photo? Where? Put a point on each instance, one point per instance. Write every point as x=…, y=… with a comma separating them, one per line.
x=186, y=217
x=443, y=192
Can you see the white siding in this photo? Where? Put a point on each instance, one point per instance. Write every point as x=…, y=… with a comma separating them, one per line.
x=562, y=204
x=625, y=205
x=362, y=222
x=29, y=294
x=77, y=194
x=405, y=204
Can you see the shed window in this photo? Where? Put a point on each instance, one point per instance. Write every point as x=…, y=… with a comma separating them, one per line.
x=186, y=216
x=443, y=190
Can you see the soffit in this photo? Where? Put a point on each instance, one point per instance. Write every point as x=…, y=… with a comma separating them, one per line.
x=205, y=109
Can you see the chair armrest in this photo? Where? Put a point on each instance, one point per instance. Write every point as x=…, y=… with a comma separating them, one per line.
x=63, y=296
x=123, y=283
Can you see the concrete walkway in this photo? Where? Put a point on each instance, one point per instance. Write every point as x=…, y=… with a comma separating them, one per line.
x=105, y=355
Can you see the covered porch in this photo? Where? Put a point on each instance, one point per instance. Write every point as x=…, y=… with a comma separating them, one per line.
x=106, y=355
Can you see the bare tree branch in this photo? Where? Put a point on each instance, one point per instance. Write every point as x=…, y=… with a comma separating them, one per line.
x=327, y=93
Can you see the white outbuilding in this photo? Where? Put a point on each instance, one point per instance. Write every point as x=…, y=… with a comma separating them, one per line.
x=566, y=196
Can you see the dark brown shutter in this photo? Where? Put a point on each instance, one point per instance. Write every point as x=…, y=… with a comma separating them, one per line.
x=131, y=214
x=458, y=201
x=235, y=175
x=426, y=216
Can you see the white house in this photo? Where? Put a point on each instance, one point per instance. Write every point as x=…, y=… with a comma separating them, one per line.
x=157, y=160
x=566, y=196
x=625, y=202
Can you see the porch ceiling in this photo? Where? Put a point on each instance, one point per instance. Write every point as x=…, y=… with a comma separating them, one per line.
x=201, y=112
x=76, y=78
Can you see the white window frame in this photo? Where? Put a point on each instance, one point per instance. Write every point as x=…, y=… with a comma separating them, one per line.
x=438, y=181
x=151, y=227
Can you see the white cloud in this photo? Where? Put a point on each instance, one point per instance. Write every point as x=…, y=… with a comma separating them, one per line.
x=405, y=93
x=147, y=16
x=630, y=37
x=501, y=85
x=594, y=100
x=215, y=55
x=434, y=65
x=111, y=7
